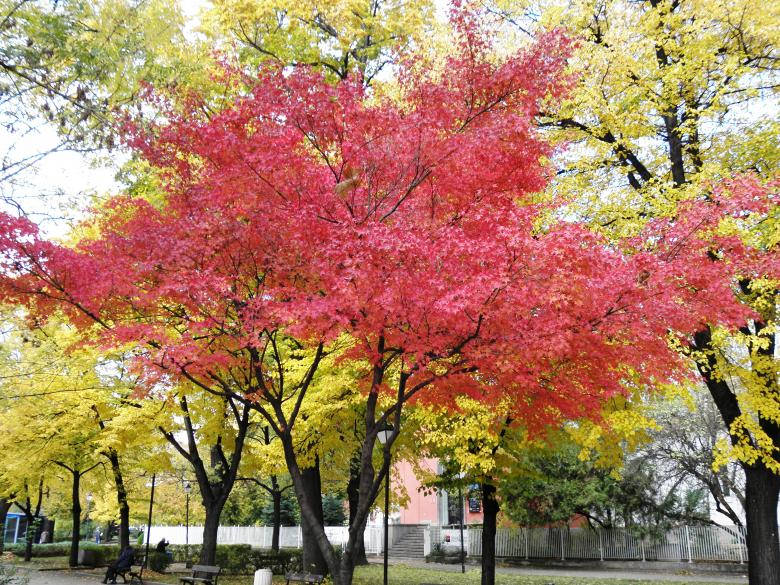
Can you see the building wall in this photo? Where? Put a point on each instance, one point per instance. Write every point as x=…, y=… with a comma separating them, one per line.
x=420, y=509
x=431, y=508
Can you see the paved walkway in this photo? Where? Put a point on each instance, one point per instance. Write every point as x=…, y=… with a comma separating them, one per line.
x=77, y=577
x=580, y=572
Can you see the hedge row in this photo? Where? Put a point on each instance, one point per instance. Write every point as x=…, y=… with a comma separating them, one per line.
x=235, y=559
x=242, y=559
x=107, y=552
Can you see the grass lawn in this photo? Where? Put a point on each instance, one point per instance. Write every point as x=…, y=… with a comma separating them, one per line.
x=399, y=575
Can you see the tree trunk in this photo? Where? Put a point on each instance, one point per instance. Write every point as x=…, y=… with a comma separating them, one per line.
x=29, y=537
x=73, y=560
x=353, y=496
x=305, y=482
x=5, y=505
x=31, y=514
x=307, y=502
x=121, y=491
x=490, y=509
x=28, y=544
x=208, y=551
x=121, y=498
x=313, y=559
x=762, y=488
x=214, y=494
x=761, y=485
x=277, y=519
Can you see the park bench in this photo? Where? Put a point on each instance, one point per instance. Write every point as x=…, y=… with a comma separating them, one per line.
x=303, y=578
x=135, y=571
x=202, y=574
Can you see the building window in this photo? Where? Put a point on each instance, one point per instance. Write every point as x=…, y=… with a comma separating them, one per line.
x=11, y=528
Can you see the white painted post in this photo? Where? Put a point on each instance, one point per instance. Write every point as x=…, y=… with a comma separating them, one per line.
x=426, y=541
x=525, y=533
x=563, y=556
x=601, y=545
x=642, y=546
x=739, y=545
x=688, y=539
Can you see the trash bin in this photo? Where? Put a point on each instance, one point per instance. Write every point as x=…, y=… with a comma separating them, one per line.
x=263, y=577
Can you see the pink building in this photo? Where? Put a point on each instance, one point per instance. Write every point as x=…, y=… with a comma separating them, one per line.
x=438, y=508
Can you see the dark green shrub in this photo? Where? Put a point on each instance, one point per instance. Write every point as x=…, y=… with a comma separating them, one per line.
x=234, y=559
x=179, y=552
x=242, y=559
x=280, y=562
x=56, y=549
x=158, y=561
x=105, y=554
x=333, y=510
x=447, y=557
x=61, y=532
x=52, y=549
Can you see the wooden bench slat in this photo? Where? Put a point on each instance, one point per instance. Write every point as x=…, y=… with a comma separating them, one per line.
x=211, y=574
x=205, y=569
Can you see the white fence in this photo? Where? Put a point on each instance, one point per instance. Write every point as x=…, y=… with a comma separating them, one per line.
x=686, y=543
x=260, y=536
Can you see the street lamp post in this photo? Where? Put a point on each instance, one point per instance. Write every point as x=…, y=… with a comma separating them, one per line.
x=87, y=519
x=384, y=435
x=461, y=475
x=187, y=490
x=149, y=524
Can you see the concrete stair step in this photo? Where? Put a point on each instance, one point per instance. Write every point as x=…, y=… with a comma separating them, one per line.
x=410, y=545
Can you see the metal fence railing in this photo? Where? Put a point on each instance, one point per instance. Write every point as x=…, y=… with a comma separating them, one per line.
x=684, y=543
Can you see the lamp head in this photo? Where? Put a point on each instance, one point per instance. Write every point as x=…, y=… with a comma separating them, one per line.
x=385, y=432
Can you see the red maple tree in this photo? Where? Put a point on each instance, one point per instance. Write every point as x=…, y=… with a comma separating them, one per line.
x=308, y=212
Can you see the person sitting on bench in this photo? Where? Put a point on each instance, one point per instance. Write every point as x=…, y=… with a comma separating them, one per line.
x=122, y=564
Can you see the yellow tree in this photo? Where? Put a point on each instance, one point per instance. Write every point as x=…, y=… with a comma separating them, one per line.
x=46, y=433
x=487, y=446
x=209, y=431
x=675, y=96
x=341, y=37
x=332, y=415
x=68, y=408
x=68, y=68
